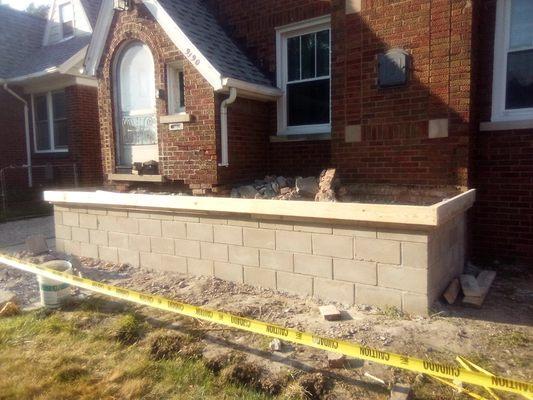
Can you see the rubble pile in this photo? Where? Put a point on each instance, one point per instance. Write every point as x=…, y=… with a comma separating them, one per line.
x=274, y=187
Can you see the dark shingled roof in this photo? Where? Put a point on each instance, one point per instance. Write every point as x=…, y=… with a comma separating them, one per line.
x=201, y=27
x=21, y=36
x=21, y=39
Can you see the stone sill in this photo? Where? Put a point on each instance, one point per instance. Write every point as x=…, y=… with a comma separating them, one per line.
x=300, y=138
x=135, y=178
x=175, y=118
x=382, y=214
x=505, y=125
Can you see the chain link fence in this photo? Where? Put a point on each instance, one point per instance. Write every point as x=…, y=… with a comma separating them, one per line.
x=21, y=187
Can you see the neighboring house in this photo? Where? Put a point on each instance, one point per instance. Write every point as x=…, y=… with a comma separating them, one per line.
x=225, y=91
x=40, y=67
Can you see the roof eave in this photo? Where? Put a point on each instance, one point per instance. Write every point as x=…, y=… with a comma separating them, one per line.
x=252, y=90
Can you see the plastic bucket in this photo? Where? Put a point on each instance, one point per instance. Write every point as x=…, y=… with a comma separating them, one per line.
x=53, y=293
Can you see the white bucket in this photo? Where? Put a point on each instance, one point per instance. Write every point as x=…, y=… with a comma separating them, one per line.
x=53, y=293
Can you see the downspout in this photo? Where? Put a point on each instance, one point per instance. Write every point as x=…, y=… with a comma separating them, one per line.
x=224, y=127
x=27, y=128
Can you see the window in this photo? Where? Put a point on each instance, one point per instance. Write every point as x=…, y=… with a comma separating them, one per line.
x=66, y=19
x=513, y=61
x=304, y=64
x=50, y=122
x=176, y=89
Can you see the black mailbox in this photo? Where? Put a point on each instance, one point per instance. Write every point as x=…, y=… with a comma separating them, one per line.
x=393, y=68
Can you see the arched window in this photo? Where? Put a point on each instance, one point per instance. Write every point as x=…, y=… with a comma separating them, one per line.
x=136, y=108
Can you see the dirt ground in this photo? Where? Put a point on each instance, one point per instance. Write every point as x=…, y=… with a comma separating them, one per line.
x=498, y=337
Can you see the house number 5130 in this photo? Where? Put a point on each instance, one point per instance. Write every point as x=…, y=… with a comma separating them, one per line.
x=191, y=56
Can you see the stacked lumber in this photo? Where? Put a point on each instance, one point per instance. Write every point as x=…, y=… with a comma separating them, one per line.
x=474, y=288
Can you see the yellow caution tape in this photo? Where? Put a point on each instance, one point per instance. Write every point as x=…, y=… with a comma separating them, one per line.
x=473, y=367
x=434, y=369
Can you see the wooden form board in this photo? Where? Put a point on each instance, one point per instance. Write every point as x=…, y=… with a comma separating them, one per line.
x=428, y=216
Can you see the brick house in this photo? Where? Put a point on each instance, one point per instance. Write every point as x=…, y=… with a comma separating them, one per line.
x=407, y=92
x=48, y=109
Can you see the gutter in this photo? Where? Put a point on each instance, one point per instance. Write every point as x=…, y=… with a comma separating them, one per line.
x=224, y=126
x=252, y=90
x=27, y=129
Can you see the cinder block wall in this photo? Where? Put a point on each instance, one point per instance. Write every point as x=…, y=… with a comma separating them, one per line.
x=404, y=268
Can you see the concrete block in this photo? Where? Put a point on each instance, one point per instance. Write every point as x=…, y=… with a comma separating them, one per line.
x=60, y=208
x=353, y=6
x=139, y=243
x=71, y=219
x=260, y=277
x=60, y=245
x=119, y=240
x=88, y=250
x=150, y=261
x=126, y=225
x=228, y=234
x=260, y=238
x=200, y=267
x=150, y=227
x=138, y=214
x=355, y=271
x=280, y=226
x=313, y=228
x=293, y=283
x=202, y=232
x=352, y=133
x=276, y=260
x=109, y=254
x=384, y=251
x=245, y=223
x=63, y=232
x=438, y=128
x=214, y=220
x=333, y=246
x=244, y=256
x=173, y=264
x=313, y=265
x=186, y=218
x=404, y=236
x=187, y=248
x=72, y=247
x=80, y=234
x=107, y=223
x=416, y=304
x=174, y=229
x=88, y=221
x=162, y=245
x=98, y=237
x=229, y=272
x=117, y=213
x=340, y=292
x=96, y=211
x=415, y=255
x=58, y=217
x=162, y=216
x=378, y=296
x=403, y=278
x=130, y=257
x=359, y=232
x=214, y=251
x=330, y=313
x=299, y=242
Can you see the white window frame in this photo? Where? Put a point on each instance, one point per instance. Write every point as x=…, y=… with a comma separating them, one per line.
x=499, y=82
x=61, y=22
x=173, y=98
x=282, y=34
x=50, y=111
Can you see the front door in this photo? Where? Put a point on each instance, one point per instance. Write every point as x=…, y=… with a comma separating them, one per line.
x=137, y=117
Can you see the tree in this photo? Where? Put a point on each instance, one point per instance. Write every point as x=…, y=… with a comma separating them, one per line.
x=40, y=11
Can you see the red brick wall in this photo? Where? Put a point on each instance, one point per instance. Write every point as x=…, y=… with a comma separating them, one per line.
x=395, y=147
x=502, y=218
x=12, y=131
x=252, y=24
x=189, y=155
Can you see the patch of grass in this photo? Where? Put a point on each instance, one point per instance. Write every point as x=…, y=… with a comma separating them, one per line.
x=128, y=329
x=512, y=338
x=392, y=312
x=54, y=357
